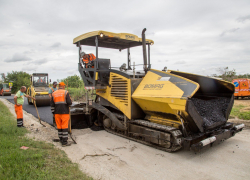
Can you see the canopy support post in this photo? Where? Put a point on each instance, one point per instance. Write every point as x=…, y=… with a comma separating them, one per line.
x=144, y=50
x=96, y=45
x=79, y=46
x=129, y=60
x=149, y=65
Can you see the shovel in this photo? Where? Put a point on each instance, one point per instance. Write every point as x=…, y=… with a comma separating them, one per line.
x=70, y=132
x=38, y=115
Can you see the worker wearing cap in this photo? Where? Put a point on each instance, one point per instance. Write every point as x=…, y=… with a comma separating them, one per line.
x=61, y=101
x=87, y=59
x=51, y=90
x=19, y=100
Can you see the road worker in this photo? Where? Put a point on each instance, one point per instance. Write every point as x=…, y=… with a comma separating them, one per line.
x=19, y=100
x=51, y=90
x=61, y=101
x=40, y=80
x=87, y=59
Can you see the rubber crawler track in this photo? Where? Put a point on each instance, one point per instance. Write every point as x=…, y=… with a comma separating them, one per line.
x=173, y=148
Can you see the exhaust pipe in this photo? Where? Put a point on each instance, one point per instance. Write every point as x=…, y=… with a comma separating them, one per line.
x=144, y=50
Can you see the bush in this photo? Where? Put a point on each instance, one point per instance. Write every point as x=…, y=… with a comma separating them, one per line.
x=18, y=78
x=73, y=81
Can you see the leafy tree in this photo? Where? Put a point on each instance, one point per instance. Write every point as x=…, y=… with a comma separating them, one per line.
x=226, y=74
x=229, y=75
x=18, y=78
x=73, y=81
x=244, y=76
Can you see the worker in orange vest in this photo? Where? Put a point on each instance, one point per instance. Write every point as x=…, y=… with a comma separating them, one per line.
x=87, y=59
x=61, y=101
x=40, y=80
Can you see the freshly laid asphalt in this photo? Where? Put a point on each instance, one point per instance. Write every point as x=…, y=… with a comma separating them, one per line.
x=44, y=111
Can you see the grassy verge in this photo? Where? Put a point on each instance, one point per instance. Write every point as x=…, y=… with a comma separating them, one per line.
x=238, y=111
x=79, y=93
x=41, y=161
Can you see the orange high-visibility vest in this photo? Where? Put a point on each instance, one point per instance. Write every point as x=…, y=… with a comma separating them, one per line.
x=91, y=58
x=59, y=96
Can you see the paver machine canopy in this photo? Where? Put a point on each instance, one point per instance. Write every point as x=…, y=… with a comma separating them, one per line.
x=119, y=41
x=168, y=110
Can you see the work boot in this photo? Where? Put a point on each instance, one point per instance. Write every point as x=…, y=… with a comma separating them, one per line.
x=66, y=144
x=56, y=140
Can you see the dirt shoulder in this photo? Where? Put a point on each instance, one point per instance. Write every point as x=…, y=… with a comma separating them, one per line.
x=105, y=156
x=244, y=102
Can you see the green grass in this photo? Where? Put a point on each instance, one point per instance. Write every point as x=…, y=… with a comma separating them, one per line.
x=237, y=112
x=41, y=161
x=79, y=93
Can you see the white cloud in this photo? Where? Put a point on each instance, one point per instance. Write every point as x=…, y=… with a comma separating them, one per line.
x=17, y=57
x=243, y=19
x=188, y=35
x=180, y=62
x=55, y=45
x=229, y=31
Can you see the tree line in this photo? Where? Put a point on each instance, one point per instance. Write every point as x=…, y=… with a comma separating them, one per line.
x=228, y=75
x=20, y=78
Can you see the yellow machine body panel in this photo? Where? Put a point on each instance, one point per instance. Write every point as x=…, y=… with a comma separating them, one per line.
x=158, y=93
x=119, y=94
x=161, y=95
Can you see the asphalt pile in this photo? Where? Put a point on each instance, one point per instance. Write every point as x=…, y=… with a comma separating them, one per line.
x=212, y=110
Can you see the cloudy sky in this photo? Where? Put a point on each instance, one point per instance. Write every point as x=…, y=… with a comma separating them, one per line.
x=195, y=36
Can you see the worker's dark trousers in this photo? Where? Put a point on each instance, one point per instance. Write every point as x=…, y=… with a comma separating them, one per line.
x=19, y=122
x=63, y=135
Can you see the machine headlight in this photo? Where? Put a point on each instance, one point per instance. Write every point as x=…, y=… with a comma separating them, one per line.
x=152, y=43
x=101, y=35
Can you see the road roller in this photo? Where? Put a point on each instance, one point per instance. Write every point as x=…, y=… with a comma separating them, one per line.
x=5, y=89
x=39, y=89
x=165, y=109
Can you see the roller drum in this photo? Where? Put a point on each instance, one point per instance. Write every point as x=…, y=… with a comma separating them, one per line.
x=6, y=93
x=42, y=100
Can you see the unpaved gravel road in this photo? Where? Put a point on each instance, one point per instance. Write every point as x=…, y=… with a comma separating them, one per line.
x=106, y=156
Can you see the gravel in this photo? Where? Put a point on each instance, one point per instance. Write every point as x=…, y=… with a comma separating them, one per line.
x=212, y=110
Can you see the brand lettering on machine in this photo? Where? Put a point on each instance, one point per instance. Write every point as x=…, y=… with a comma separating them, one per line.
x=129, y=37
x=153, y=86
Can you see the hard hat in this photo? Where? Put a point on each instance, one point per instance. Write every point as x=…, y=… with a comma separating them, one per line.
x=82, y=53
x=62, y=84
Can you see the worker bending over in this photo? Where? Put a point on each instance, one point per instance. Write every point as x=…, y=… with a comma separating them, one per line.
x=87, y=59
x=19, y=100
x=51, y=90
x=61, y=101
